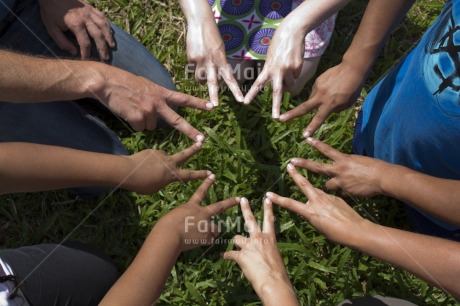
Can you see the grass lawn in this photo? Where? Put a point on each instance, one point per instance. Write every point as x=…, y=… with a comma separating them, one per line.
x=248, y=152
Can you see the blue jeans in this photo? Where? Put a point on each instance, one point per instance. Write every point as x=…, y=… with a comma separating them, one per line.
x=65, y=123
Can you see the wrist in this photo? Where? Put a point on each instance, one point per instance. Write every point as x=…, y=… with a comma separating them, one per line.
x=92, y=79
x=277, y=290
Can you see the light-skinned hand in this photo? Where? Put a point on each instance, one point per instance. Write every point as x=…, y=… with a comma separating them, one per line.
x=260, y=259
x=282, y=67
x=206, y=50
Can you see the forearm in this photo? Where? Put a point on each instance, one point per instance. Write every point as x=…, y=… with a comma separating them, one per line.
x=310, y=14
x=26, y=167
x=435, y=260
x=440, y=197
x=373, y=31
x=197, y=12
x=278, y=292
x=144, y=280
x=33, y=79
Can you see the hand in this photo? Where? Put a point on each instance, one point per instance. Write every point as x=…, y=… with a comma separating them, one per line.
x=260, y=259
x=282, y=66
x=335, y=90
x=354, y=174
x=206, y=50
x=329, y=214
x=139, y=101
x=83, y=20
x=151, y=170
x=191, y=222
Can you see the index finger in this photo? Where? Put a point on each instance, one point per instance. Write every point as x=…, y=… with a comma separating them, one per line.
x=277, y=96
x=256, y=87
x=307, y=188
x=219, y=207
x=181, y=99
x=325, y=149
x=182, y=156
x=180, y=124
x=200, y=194
x=213, y=85
x=250, y=222
x=232, y=84
x=298, y=111
x=269, y=218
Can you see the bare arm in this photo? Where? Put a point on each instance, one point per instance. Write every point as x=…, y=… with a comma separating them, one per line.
x=144, y=280
x=435, y=260
x=135, y=99
x=286, y=52
x=26, y=167
x=339, y=87
x=206, y=50
x=365, y=177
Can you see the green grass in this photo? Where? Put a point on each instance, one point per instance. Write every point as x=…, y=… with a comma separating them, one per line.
x=248, y=153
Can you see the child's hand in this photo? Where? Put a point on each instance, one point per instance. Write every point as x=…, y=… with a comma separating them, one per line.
x=329, y=214
x=191, y=222
x=206, y=50
x=282, y=66
x=148, y=171
x=260, y=259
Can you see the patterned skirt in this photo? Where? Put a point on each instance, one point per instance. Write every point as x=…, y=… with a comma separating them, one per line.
x=247, y=27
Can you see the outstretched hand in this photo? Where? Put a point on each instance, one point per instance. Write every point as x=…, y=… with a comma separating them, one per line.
x=140, y=101
x=151, y=170
x=260, y=259
x=83, y=20
x=353, y=174
x=329, y=214
x=192, y=222
x=334, y=91
x=282, y=66
x=206, y=50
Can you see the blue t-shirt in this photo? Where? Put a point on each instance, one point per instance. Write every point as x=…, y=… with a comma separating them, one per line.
x=412, y=117
x=5, y=8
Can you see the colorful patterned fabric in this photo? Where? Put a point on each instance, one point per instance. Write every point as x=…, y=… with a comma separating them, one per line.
x=247, y=27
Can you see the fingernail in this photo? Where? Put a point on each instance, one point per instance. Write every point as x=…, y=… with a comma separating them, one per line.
x=199, y=144
x=268, y=202
x=240, y=99
x=200, y=138
x=276, y=115
x=212, y=176
x=209, y=173
x=283, y=118
x=294, y=160
x=290, y=166
x=238, y=199
x=306, y=134
x=309, y=140
x=209, y=105
x=215, y=103
x=269, y=194
x=244, y=200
